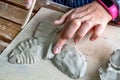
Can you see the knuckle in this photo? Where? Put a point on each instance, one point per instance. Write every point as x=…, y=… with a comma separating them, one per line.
x=72, y=16
x=76, y=22
x=89, y=23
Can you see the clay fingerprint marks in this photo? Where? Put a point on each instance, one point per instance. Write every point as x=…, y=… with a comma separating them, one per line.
x=70, y=62
x=26, y=52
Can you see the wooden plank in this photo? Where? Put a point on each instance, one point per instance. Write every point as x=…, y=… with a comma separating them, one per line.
x=8, y=30
x=22, y=3
x=12, y=13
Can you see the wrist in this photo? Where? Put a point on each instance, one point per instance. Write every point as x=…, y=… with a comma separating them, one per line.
x=110, y=8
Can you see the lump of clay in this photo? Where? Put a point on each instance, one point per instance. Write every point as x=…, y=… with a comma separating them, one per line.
x=70, y=62
x=26, y=52
x=113, y=70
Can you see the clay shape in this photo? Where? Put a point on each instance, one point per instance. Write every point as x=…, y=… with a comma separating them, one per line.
x=26, y=52
x=70, y=62
x=113, y=70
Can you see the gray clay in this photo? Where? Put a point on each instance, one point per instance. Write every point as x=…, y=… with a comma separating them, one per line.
x=30, y=51
x=113, y=70
x=26, y=52
x=115, y=58
x=43, y=30
x=70, y=62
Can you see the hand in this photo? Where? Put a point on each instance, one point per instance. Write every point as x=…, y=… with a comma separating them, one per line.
x=78, y=22
x=28, y=3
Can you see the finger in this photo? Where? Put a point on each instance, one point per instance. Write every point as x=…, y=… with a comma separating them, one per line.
x=62, y=19
x=58, y=46
x=28, y=3
x=82, y=31
x=70, y=29
x=79, y=15
x=66, y=34
x=99, y=29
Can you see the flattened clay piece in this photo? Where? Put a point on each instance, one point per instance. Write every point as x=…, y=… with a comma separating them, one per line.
x=70, y=62
x=26, y=52
x=113, y=70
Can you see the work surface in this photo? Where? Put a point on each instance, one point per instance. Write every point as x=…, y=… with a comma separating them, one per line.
x=96, y=52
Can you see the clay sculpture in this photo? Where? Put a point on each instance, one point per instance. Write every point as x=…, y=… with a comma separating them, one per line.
x=69, y=60
x=113, y=70
x=26, y=52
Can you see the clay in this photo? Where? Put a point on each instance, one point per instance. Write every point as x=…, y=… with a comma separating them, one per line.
x=31, y=50
x=70, y=62
x=48, y=47
x=113, y=70
x=115, y=58
x=43, y=27
x=26, y=52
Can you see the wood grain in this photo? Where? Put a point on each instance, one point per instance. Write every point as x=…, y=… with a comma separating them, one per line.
x=8, y=30
x=12, y=13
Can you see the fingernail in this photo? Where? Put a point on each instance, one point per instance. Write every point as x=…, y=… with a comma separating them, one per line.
x=56, y=50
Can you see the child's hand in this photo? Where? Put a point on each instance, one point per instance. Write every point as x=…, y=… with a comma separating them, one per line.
x=78, y=22
x=28, y=3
